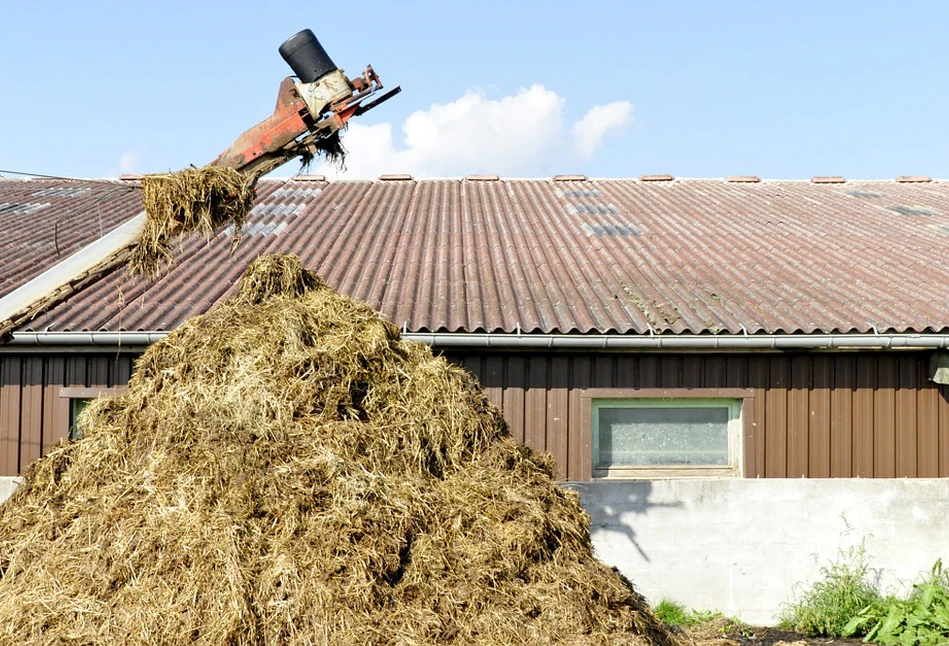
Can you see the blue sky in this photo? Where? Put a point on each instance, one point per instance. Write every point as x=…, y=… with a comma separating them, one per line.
x=695, y=89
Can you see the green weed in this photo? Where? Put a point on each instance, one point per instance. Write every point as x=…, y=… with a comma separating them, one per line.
x=827, y=607
x=676, y=614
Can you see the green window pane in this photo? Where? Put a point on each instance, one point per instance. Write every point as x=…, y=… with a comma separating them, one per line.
x=656, y=436
x=76, y=406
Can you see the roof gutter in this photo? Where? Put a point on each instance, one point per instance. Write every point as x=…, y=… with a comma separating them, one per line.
x=707, y=342
x=684, y=341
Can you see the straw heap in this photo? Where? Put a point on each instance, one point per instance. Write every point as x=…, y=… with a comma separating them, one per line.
x=285, y=470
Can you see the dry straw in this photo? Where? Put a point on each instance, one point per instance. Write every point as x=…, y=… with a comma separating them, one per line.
x=197, y=200
x=285, y=470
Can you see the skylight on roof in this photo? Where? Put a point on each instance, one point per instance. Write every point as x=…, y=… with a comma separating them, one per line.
x=296, y=192
x=911, y=210
x=610, y=229
x=279, y=210
x=19, y=208
x=258, y=229
x=593, y=209
x=868, y=194
x=580, y=193
x=61, y=191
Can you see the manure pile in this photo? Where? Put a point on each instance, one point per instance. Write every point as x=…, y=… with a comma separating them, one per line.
x=285, y=470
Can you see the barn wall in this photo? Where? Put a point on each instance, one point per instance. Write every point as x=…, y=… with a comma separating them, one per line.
x=813, y=414
x=33, y=415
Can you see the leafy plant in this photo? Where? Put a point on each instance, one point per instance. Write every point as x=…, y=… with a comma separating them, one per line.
x=844, y=590
x=921, y=619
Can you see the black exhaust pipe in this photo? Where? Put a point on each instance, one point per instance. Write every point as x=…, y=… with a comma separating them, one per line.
x=306, y=57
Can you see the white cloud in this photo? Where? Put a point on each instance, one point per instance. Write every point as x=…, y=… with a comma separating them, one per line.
x=599, y=122
x=128, y=161
x=517, y=135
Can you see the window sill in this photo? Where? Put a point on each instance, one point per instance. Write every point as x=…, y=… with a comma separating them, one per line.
x=658, y=473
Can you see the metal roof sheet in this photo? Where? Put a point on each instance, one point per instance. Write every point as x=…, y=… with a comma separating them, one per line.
x=571, y=256
x=43, y=221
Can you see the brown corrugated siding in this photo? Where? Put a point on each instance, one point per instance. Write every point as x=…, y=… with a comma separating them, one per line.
x=907, y=417
x=573, y=463
x=841, y=416
x=812, y=415
x=943, y=431
x=818, y=426
x=11, y=388
x=799, y=418
x=884, y=418
x=33, y=416
x=863, y=419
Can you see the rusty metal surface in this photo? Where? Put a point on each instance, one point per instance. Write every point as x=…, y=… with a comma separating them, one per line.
x=575, y=256
x=43, y=221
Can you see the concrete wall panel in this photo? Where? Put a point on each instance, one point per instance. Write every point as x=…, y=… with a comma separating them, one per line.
x=741, y=545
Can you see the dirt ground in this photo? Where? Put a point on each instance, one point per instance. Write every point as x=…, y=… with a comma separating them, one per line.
x=724, y=632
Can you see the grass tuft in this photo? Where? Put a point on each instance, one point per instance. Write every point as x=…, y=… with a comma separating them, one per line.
x=674, y=613
x=843, y=591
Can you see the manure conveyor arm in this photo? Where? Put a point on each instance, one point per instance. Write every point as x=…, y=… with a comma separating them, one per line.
x=311, y=109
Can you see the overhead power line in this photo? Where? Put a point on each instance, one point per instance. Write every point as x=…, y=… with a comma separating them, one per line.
x=72, y=179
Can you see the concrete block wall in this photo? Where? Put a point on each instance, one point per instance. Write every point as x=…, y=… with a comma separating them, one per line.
x=741, y=545
x=7, y=486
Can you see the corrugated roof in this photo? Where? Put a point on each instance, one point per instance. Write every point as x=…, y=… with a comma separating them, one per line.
x=598, y=256
x=43, y=221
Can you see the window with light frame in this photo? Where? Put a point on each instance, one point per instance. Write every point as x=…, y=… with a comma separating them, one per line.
x=650, y=437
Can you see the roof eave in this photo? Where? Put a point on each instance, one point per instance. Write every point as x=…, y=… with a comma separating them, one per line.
x=92, y=341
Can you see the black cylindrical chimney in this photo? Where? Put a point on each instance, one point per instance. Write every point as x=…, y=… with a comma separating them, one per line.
x=306, y=57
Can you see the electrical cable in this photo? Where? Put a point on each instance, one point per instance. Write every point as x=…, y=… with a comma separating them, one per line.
x=73, y=179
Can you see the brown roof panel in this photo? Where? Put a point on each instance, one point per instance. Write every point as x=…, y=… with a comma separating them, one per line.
x=573, y=256
x=43, y=221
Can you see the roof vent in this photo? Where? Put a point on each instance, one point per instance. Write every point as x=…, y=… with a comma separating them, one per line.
x=569, y=178
x=913, y=179
x=743, y=179
x=656, y=178
x=310, y=178
x=396, y=177
x=482, y=178
x=131, y=177
x=828, y=179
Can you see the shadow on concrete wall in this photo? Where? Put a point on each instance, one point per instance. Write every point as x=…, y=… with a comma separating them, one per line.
x=611, y=504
